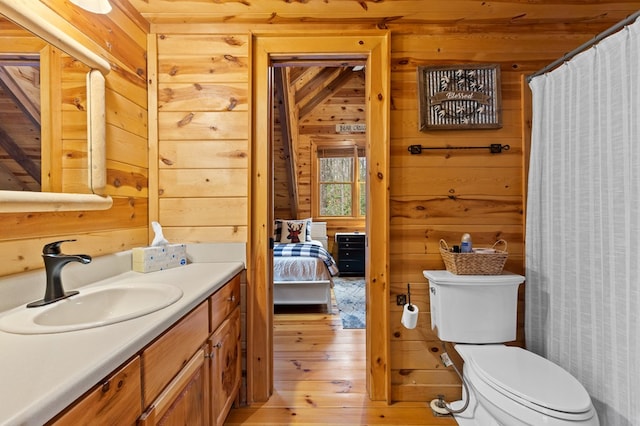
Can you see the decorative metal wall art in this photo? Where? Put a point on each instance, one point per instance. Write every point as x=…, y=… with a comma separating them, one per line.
x=460, y=97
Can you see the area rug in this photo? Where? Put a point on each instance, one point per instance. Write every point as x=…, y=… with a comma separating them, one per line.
x=350, y=297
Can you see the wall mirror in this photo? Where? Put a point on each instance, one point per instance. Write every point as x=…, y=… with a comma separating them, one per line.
x=55, y=66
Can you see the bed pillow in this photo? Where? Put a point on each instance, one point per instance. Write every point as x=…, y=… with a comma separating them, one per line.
x=294, y=231
x=277, y=230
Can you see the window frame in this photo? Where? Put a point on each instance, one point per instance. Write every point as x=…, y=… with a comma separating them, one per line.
x=356, y=192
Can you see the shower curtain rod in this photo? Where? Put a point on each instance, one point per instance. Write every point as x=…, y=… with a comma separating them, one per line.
x=620, y=25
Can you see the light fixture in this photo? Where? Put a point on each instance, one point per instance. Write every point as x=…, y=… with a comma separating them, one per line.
x=95, y=6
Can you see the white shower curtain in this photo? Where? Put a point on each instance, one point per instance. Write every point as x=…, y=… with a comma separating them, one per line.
x=583, y=223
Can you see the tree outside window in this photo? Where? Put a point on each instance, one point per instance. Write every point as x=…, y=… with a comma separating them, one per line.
x=341, y=181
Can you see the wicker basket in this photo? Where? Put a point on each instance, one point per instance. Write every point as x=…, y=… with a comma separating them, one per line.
x=474, y=263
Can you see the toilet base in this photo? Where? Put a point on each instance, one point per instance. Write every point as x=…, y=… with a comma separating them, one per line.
x=484, y=412
x=474, y=414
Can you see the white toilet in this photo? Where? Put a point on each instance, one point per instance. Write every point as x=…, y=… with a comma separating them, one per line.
x=508, y=386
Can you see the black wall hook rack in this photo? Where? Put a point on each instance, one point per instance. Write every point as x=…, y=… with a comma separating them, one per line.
x=495, y=148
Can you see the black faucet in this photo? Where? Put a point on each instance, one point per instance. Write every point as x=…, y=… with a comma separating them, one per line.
x=54, y=260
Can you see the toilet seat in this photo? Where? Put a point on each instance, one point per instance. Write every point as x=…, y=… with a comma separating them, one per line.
x=529, y=380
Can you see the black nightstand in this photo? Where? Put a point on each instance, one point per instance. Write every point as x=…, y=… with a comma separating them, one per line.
x=351, y=253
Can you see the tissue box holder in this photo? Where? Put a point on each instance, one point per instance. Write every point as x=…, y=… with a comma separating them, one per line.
x=151, y=259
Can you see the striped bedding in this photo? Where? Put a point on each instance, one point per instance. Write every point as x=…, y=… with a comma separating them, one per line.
x=308, y=255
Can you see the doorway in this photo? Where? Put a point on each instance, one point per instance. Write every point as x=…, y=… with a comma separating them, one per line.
x=318, y=135
x=373, y=49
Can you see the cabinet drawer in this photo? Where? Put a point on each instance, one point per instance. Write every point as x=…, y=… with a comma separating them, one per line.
x=346, y=254
x=345, y=239
x=350, y=266
x=164, y=358
x=224, y=301
x=115, y=401
x=351, y=245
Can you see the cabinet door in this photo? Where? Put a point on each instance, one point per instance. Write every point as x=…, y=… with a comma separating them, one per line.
x=224, y=346
x=115, y=401
x=183, y=401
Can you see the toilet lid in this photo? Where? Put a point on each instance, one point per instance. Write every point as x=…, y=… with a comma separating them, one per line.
x=528, y=378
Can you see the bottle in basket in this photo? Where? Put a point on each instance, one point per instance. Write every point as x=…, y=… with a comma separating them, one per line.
x=465, y=244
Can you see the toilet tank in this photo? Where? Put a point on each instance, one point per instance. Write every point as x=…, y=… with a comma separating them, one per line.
x=474, y=308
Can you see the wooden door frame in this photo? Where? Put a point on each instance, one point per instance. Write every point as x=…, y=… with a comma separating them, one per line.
x=374, y=47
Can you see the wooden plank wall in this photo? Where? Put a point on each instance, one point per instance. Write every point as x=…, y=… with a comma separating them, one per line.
x=203, y=131
x=119, y=37
x=439, y=194
x=203, y=128
x=203, y=141
x=443, y=194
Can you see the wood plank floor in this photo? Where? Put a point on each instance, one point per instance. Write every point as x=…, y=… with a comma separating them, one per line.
x=319, y=371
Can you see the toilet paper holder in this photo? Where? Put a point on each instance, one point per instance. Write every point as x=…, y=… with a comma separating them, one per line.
x=411, y=307
x=410, y=312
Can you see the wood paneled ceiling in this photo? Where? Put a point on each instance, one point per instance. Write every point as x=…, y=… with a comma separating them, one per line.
x=599, y=14
x=20, y=122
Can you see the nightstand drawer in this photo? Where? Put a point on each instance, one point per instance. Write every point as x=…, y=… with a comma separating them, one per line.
x=351, y=267
x=350, y=238
x=351, y=253
x=344, y=245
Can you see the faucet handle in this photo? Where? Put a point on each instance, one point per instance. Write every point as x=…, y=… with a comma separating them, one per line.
x=54, y=248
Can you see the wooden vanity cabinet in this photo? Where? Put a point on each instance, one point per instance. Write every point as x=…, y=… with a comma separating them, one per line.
x=190, y=375
x=114, y=401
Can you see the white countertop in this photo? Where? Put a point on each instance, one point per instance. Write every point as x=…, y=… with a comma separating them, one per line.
x=40, y=375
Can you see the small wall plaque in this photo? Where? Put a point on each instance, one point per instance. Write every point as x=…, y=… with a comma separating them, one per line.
x=460, y=97
x=351, y=128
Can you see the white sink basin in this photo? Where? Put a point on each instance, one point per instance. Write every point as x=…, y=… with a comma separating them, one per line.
x=93, y=307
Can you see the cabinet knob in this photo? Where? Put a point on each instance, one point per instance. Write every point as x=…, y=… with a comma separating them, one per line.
x=232, y=298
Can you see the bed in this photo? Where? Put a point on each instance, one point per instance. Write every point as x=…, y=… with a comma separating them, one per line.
x=303, y=270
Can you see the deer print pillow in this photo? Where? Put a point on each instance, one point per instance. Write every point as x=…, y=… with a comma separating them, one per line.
x=294, y=231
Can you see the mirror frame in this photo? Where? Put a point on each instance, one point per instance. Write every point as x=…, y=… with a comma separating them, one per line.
x=33, y=17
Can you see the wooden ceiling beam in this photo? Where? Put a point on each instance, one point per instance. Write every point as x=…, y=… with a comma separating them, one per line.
x=19, y=156
x=315, y=84
x=30, y=107
x=284, y=111
x=295, y=73
x=327, y=91
x=10, y=182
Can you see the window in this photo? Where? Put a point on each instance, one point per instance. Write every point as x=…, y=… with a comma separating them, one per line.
x=340, y=181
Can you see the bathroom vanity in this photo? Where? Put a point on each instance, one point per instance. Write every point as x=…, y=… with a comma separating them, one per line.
x=192, y=370
x=180, y=362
